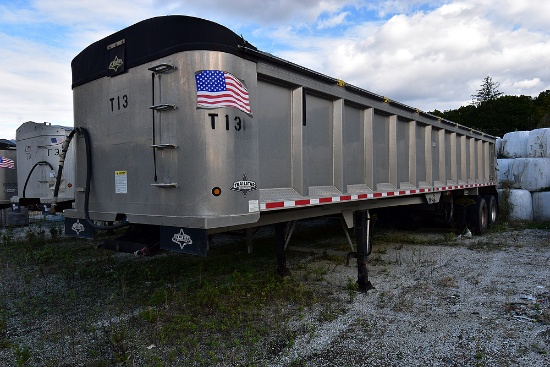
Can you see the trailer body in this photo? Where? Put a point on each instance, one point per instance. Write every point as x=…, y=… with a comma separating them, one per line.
x=295, y=144
x=8, y=172
x=39, y=146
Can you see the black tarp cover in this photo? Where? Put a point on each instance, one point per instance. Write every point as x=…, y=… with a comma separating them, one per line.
x=149, y=40
x=6, y=144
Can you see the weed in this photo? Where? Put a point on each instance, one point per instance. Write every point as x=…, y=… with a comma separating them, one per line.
x=320, y=272
x=448, y=282
x=352, y=287
x=55, y=232
x=117, y=339
x=22, y=355
x=486, y=246
x=376, y=260
x=504, y=206
x=538, y=349
x=4, y=341
x=8, y=236
x=480, y=355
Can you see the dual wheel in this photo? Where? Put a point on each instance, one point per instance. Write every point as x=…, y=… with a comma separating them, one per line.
x=483, y=214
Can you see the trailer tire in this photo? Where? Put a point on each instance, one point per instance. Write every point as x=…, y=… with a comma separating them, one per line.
x=478, y=216
x=492, y=210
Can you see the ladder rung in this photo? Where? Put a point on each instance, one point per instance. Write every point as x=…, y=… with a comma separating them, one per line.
x=163, y=107
x=164, y=146
x=162, y=68
x=165, y=185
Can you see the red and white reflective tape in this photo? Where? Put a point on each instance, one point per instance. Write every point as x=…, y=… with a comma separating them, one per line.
x=375, y=195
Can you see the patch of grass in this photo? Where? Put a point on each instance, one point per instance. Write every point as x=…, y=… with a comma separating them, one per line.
x=397, y=237
x=352, y=287
x=448, y=282
x=22, y=355
x=486, y=246
x=4, y=341
x=175, y=300
x=504, y=206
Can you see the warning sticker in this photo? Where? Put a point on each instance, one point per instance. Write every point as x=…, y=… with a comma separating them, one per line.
x=121, y=182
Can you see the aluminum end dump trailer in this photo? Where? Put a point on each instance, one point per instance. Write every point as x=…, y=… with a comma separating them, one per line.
x=8, y=172
x=39, y=147
x=184, y=127
x=8, y=178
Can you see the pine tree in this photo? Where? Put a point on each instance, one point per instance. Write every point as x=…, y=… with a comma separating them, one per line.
x=488, y=91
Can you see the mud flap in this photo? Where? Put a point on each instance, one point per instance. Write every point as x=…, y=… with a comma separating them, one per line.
x=80, y=228
x=190, y=241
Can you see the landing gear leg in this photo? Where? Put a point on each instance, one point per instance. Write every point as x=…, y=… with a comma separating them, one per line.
x=282, y=270
x=362, y=228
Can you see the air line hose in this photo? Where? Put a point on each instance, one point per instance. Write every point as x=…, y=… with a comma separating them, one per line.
x=30, y=173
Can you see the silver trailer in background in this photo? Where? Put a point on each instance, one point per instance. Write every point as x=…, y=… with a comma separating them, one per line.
x=9, y=216
x=8, y=172
x=38, y=150
x=184, y=127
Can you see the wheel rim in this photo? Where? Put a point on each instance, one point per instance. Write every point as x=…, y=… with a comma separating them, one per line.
x=493, y=212
x=484, y=217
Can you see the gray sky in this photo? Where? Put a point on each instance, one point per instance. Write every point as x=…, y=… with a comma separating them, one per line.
x=426, y=54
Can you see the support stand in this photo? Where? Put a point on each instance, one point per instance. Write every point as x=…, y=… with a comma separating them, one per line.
x=280, y=242
x=361, y=220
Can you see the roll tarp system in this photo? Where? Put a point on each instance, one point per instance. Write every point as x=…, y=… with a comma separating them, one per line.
x=6, y=144
x=149, y=40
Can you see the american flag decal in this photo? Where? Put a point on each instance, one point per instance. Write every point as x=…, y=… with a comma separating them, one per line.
x=6, y=163
x=216, y=88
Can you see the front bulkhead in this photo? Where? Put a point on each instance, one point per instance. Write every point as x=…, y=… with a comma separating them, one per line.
x=162, y=152
x=39, y=146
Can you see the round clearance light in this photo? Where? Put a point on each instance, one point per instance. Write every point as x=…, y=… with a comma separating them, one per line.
x=216, y=191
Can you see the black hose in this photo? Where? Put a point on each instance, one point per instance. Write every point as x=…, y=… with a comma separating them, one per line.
x=86, y=135
x=64, y=149
x=30, y=173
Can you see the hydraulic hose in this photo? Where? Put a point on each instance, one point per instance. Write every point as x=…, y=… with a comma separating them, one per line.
x=30, y=173
x=64, y=149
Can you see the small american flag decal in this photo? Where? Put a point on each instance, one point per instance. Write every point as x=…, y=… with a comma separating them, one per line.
x=6, y=163
x=216, y=88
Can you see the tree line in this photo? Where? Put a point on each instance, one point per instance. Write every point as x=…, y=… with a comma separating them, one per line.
x=496, y=114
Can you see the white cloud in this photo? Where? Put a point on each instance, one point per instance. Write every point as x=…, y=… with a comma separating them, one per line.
x=332, y=21
x=433, y=59
x=35, y=85
x=528, y=84
x=425, y=53
x=265, y=12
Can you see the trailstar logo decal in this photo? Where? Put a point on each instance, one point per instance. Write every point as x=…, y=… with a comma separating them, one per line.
x=182, y=239
x=115, y=64
x=78, y=227
x=244, y=185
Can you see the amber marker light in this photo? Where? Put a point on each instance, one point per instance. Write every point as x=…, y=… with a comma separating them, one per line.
x=216, y=191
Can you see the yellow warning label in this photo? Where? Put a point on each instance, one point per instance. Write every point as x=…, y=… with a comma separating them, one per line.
x=121, y=182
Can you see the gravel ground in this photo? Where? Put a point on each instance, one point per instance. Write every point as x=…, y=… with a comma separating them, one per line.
x=481, y=301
